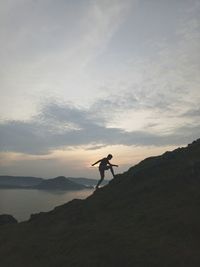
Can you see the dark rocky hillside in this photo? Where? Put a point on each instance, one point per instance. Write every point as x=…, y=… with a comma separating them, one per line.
x=7, y=219
x=148, y=216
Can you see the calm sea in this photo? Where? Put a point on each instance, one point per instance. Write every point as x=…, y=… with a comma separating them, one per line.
x=22, y=203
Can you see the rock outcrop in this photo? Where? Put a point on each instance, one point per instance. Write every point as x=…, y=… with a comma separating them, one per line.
x=7, y=219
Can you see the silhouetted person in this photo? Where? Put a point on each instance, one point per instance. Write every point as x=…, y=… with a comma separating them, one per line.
x=103, y=166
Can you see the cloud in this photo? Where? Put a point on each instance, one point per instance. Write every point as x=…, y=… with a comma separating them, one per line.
x=192, y=113
x=59, y=126
x=46, y=50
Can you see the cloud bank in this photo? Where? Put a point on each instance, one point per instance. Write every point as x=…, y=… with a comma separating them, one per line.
x=62, y=126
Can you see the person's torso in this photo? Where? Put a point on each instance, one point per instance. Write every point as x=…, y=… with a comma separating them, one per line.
x=104, y=162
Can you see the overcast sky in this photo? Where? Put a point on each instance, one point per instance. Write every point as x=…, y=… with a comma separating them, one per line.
x=81, y=79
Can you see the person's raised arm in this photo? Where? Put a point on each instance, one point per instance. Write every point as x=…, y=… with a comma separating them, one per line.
x=96, y=162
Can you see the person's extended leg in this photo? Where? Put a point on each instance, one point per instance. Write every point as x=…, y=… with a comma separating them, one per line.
x=111, y=169
x=102, y=177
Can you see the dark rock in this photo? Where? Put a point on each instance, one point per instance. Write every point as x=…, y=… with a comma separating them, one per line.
x=147, y=216
x=7, y=219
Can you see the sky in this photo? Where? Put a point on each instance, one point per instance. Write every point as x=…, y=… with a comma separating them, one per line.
x=85, y=78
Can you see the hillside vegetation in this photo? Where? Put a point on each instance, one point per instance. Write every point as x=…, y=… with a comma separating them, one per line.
x=147, y=216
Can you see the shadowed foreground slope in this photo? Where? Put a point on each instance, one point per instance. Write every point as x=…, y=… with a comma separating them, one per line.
x=148, y=216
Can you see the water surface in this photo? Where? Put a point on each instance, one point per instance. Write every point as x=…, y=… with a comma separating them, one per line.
x=21, y=203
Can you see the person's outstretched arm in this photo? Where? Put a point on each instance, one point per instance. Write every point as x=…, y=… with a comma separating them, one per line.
x=115, y=165
x=112, y=164
x=96, y=162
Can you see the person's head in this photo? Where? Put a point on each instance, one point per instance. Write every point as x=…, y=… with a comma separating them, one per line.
x=109, y=156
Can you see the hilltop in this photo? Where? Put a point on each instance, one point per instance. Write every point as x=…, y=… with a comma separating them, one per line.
x=59, y=183
x=147, y=216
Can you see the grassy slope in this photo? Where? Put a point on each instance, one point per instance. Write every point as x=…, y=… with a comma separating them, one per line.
x=148, y=216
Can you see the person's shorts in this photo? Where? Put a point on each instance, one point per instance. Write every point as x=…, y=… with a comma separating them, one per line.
x=104, y=168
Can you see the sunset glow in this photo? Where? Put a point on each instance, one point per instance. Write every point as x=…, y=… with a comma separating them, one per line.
x=82, y=79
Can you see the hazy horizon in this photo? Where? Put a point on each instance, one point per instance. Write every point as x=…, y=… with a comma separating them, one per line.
x=82, y=79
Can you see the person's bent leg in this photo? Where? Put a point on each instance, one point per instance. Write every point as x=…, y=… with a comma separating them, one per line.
x=111, y=169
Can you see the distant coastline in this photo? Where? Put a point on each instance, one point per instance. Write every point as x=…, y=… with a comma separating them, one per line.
x=57, y=183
